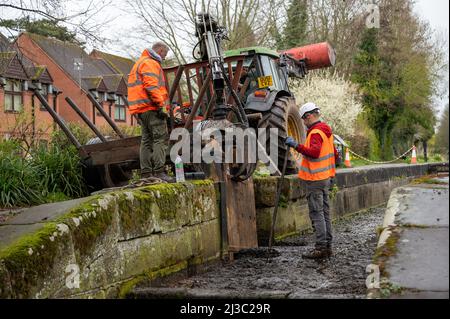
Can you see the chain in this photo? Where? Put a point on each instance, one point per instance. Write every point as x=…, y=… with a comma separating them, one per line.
x=374, y=162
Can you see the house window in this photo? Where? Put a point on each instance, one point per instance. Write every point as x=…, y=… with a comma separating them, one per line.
x=13, y=96
x=119, y=109
x=100, y=97
x=44, y=92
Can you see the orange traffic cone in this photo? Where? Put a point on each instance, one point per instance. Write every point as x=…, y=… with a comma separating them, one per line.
x=347, y=159
x=414, y=156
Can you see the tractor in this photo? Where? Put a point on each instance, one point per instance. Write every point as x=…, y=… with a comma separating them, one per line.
x=250, y=89
x=242, y=88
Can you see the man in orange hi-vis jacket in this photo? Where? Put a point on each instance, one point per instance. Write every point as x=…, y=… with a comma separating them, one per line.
x=148, y=99
x=317, y=169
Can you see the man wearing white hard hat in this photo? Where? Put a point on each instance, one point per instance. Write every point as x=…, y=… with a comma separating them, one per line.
x=318, y=167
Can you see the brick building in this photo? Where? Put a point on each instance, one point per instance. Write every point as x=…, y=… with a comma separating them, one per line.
x=20, y=113
x=76, y=74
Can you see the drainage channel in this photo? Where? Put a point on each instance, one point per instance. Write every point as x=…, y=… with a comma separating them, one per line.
x=287, y=274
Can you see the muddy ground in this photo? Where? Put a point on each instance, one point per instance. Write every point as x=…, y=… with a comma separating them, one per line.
x=288, y=275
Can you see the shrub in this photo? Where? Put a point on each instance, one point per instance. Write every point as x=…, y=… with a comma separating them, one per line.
x=126, y=130
x=82, y=133
x=337, y=98
x=437, y=158
x=360, y=144
x=18, y=179
x=60, y=170
x=45, y=175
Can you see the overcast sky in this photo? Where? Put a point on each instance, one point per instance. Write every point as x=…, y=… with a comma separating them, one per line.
x=436, y=12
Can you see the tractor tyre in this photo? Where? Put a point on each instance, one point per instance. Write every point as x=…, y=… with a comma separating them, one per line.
x=285, y=117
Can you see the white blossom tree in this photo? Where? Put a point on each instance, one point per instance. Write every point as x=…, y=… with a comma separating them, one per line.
x=336, y=97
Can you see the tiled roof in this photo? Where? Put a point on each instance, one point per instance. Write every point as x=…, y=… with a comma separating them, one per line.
x=33, y=72
x=116, y=83
x=97, y=73
x=65, y=54
x=5, y=60
x=39, y=73
x=120, y=64
x=94, y=83
x=112, y=81
x=4, y=43
x=11, y=66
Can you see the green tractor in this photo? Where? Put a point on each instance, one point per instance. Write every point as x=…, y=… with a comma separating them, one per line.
x=243, y=88
x=268, y=101
x=248, y=88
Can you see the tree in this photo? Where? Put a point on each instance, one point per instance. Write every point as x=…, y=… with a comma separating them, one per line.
x=296, y=30
x=244, y=38
x=248, y=22
x=416, y=125
x=378, y=91
x=44, y=27
x=339, y=23
x=84, y=20
x=394, y=72
x=442, y=136
x=336, y=97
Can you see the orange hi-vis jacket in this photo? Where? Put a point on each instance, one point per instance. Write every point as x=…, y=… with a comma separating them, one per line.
x=324, y=167
x=147, y=84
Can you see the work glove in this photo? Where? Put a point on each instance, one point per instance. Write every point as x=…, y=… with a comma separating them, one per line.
x=291, y=142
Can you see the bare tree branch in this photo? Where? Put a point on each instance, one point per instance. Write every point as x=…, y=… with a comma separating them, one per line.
x=39, y=12
x=83, y=21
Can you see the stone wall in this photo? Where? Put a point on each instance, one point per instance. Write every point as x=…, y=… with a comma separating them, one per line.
x=113, y=240
x=356, y=189
x=103, y=245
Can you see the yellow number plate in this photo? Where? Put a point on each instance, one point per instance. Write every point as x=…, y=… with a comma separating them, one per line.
x=265, y=81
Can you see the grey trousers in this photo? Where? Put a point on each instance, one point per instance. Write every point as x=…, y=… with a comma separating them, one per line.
x=154, y=142
x=319, y=211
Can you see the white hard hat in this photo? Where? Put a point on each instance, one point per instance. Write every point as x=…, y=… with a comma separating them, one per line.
x=308, y=107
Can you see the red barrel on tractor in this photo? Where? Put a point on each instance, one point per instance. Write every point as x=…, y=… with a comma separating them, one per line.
x=316, y=56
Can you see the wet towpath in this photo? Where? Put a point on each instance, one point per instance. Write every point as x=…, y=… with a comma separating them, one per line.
x=288, y=275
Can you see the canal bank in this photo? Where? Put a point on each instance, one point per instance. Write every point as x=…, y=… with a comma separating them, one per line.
x=413, y=250
x=104, y=245
x=288, y=275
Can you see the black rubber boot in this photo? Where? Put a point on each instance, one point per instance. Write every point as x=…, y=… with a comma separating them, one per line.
x=329, y=251
x=316, y=253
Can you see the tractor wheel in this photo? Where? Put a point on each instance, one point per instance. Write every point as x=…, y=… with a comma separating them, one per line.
x=284, y=116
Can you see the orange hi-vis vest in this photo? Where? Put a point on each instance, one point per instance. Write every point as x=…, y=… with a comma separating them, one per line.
x=324, y=167
x=147, y=84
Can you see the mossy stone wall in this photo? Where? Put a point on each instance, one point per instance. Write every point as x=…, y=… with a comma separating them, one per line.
x=98, y=247
x=110, y=242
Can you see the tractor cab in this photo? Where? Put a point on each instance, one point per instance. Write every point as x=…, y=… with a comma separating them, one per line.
x=261, y=72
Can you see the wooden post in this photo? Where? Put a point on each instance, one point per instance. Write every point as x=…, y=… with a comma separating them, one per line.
x=85, y=119
x=172, y=92
x=58, y=120
x=199, y=100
